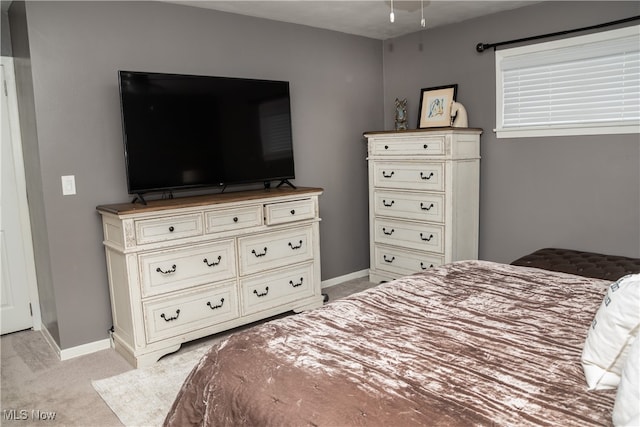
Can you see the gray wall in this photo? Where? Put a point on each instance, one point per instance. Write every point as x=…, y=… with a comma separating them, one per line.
x=26, y=106
x=569, y=192
x=76, y=49
x=5, y=36
x=578, y=192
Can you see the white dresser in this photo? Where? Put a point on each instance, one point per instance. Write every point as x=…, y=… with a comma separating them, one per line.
x=185, y=268
x=423, y=199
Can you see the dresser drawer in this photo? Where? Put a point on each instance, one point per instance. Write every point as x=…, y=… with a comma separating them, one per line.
x=408, y=175
x=177, y=315
x=233, y=219
x=168, y=228
x=403, y=262
x=426, y=237
x=270, y=290
x=275, y=249
x=426, y=146
x=170, y=270
x=297, y=210
x=419, y=206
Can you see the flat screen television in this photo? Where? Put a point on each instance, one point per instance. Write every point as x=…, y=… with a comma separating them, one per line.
x=186, y=131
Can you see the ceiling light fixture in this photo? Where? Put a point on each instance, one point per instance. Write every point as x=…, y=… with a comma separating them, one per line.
x=392, y=17
x=409, y=6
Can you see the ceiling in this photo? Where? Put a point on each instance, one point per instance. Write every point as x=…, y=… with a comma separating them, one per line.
x=368, y=18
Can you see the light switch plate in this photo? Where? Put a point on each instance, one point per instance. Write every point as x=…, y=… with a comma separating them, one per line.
x=68, y=185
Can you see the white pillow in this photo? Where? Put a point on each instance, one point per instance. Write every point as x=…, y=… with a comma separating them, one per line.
x=626, y=411
x=611, y=333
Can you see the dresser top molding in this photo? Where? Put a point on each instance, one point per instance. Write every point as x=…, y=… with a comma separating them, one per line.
x=207, y=199
x=423, y=131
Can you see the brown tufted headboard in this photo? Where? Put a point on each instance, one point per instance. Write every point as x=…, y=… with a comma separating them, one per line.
x=586, y=264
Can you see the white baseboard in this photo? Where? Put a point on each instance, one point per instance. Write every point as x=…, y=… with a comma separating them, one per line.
x=49, y=339
x=345, y=278
x=80, y=350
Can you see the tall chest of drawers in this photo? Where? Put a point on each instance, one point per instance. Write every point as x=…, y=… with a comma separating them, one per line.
x=182, y=269
x=423, y=199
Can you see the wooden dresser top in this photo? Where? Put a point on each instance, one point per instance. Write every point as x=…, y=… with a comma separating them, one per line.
x=202, y=200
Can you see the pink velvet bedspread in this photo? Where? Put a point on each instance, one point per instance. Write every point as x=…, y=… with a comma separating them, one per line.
x=470, y=343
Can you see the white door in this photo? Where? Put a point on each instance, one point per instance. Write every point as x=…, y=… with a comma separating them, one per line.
x=14, y=264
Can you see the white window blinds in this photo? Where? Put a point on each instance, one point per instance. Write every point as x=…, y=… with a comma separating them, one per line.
x=578, y=86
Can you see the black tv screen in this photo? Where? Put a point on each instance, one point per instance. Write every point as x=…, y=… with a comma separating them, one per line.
x=184, y=131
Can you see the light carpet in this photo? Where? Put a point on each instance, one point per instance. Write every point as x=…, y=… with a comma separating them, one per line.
x=143, y=397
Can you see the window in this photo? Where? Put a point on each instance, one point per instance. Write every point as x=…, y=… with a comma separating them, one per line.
x=585, y=85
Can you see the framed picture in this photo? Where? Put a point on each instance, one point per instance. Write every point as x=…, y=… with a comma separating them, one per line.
x=435, y=106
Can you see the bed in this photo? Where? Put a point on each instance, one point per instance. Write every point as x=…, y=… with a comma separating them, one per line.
x=469, y=343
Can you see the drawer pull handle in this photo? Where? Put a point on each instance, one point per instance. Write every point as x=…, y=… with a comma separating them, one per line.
x=169, y=319
x=235, y=219
x=213, y=307
x=295, y=285
x=293, y=211
x=387, y=175
x=425, y=146
x=261, y=294
x=424, y=268
x=386, y=147
x=428, y=208
x=253, y=251
x=213, y=264
x=388, y=233
x=171, y=229
x=426, y=239
x=171, y=270
x=389, y=260
x=295, y=247
x=426, y=177
x=388, y=205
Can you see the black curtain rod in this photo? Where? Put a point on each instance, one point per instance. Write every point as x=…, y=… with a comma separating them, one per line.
x=480, y=47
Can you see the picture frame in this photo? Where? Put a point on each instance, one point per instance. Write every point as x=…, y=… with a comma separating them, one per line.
x=435, y=106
